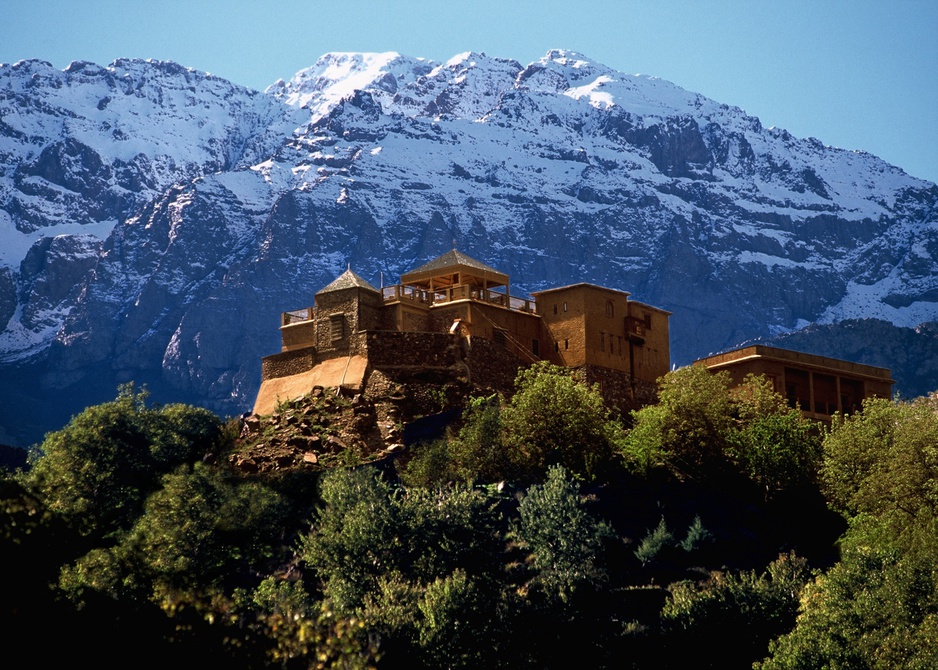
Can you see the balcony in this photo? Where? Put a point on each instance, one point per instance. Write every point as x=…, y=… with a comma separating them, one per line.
x=635, y=329
x=297, y=316
x=402, y=293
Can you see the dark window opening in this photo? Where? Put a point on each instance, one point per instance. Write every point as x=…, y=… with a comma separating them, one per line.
x=535, y=347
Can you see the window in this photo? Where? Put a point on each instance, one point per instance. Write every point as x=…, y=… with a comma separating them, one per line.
x=610, y=308
x=566, y=344
x=536, y=347
x=337, y=326
x=556, y=346
x=648, y=322
x=555, y=309
x=565, y=307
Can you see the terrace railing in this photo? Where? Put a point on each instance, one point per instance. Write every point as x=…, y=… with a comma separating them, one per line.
x=442, y=296
x=297, y=316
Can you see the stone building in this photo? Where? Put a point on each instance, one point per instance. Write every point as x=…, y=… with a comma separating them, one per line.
x=456, y=317
x=819, y=385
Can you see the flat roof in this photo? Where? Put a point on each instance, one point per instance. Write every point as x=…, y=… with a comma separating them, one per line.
x=579, y=285
x=824, y=363
x=647, y=306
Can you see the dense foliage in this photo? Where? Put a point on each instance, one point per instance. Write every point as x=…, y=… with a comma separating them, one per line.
x=541, y=532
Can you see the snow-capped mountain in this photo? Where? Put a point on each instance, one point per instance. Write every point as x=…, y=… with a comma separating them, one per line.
x=155, y=220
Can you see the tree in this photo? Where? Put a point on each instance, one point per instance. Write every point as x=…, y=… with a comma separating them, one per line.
x=420, y=566
x=479, y=452
x=877, y=607
x=749, y=608
x=197, y=530
x=774, y=444
x=553, y=419
x=687, y=429
x=884, y=460
x=98, y=470
x=564, y=541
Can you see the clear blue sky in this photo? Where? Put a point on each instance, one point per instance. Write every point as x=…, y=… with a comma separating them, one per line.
x=856, y=74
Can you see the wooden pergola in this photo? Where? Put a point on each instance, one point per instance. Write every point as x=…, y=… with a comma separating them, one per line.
x=455, y=269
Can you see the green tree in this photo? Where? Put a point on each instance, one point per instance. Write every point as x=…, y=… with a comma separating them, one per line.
x=884, y=460
x=774, y=444
x=730, y=618
x=565, y=542
x=877, y=607
x=98, y=470
x=687, y=429
x=355, y=538
x=421, y=566
x=199, y=529
x=479, y=451
x=553, y=419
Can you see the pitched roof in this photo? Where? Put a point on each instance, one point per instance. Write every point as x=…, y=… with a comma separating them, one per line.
x=347, y=279
x=451, y=258
x=451, y=262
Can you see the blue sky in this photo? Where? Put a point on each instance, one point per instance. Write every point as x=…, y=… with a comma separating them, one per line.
x=855, y=74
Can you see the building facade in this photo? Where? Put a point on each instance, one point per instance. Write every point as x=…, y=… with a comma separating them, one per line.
x=819, y=385
x=452, y=308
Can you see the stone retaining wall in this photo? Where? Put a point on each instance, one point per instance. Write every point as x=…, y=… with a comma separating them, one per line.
x=288, y=363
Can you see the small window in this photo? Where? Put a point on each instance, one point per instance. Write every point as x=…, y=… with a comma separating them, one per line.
x=648, y=322
x=337, y=326
x=610, y=308
x=555, y=309
x=556, y=346
x=536, y=347
x=565, y=307
x=566, y=344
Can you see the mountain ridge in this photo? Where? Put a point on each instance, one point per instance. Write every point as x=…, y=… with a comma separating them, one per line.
x=560, y=171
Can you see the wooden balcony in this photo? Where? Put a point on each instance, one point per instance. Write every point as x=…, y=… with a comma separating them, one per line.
x=635, y=329
x=403, y=293
x=297, y=316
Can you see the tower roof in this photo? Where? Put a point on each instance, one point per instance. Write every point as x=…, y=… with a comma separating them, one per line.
x=452, y=264
x=347, y=279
